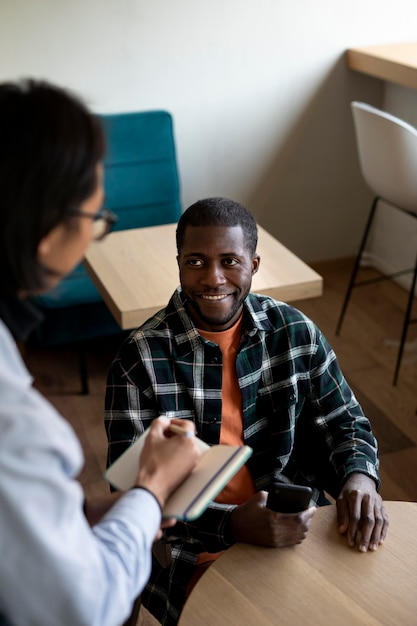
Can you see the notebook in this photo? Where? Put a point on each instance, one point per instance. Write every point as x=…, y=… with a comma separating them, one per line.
x=213, y=471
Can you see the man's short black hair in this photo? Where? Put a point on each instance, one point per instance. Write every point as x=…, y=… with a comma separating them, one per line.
x=219, y=212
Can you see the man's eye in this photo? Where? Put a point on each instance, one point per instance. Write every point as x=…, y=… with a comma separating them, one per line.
x=195, y=262
x=230, y=262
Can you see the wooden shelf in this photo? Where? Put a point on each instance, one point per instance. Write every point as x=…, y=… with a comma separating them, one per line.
x=396, y=63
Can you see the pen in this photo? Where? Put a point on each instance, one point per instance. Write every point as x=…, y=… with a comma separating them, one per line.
x=180, y=430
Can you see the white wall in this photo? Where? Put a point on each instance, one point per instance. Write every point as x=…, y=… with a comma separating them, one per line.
x=258, y=90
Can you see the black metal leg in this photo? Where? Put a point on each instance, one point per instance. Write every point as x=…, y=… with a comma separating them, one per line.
x=82, y=368
x=406, y=324
x=357, y=262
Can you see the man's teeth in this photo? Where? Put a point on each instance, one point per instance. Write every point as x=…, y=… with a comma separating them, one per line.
x=215, y=297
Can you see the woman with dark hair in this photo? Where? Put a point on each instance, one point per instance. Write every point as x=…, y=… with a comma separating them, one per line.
x=63, y=560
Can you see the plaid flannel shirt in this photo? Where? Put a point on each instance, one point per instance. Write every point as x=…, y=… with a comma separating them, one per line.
x=299, y=415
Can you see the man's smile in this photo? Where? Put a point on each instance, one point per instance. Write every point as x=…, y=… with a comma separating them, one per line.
x=220, y=296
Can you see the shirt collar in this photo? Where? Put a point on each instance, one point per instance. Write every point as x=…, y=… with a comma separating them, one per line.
x=254, y=318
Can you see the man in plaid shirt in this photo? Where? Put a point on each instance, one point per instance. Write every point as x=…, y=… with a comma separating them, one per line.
x=246, y=369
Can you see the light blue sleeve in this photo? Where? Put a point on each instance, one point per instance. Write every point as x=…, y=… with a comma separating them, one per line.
x=55, y=569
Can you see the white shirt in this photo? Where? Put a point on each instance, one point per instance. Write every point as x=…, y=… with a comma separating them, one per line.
x=54, y=569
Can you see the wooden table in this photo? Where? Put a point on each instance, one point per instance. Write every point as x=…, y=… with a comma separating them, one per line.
x=321, y=582
x=396, y=63
x=136, y=272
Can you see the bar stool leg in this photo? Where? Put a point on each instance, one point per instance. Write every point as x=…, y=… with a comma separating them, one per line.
x=357, y=263
x=406, y=324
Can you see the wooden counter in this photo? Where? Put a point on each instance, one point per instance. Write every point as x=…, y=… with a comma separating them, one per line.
x=396, y=63
x=320, y=582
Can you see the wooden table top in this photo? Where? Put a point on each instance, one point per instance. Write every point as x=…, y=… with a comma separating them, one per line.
x=136, y=272
x=319, y=582
x=396, y=63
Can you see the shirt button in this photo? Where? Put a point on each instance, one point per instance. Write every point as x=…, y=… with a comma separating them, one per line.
x=215, y=359
x=292, y=396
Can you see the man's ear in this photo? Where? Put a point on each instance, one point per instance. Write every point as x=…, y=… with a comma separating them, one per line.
x=256, y=261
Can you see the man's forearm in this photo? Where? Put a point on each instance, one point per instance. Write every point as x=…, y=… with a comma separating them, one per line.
x=211, y=530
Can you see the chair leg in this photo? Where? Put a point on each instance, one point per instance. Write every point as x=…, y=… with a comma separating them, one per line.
x=357, y=263
x=82, y=368
x=406, y=324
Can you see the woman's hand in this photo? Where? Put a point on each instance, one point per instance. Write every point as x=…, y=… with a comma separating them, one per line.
x=167, y=457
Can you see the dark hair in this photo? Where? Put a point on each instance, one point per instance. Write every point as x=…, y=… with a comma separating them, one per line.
x=219, y=212
x=50, y=145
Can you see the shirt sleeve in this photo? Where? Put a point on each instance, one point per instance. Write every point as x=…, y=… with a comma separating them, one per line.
x=210, y=532
x=54, y=568
x=338, y=423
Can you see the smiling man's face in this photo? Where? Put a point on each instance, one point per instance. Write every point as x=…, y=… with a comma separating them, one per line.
x=216, y=270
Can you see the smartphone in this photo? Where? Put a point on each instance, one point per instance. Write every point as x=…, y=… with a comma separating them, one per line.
x=288, y=498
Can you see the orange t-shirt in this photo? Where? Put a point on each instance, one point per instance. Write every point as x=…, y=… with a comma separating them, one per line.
x=241, y=487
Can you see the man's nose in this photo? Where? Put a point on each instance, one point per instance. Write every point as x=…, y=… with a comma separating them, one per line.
x=214, y=275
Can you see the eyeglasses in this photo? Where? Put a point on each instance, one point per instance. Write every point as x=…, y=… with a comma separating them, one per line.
x=103, y=222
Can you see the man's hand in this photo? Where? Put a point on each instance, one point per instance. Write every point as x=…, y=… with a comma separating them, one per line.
x=253, y=523
x=361, y=513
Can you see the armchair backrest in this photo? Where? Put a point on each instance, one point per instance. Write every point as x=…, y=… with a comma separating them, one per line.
x=142, y=188
x=141, y=176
